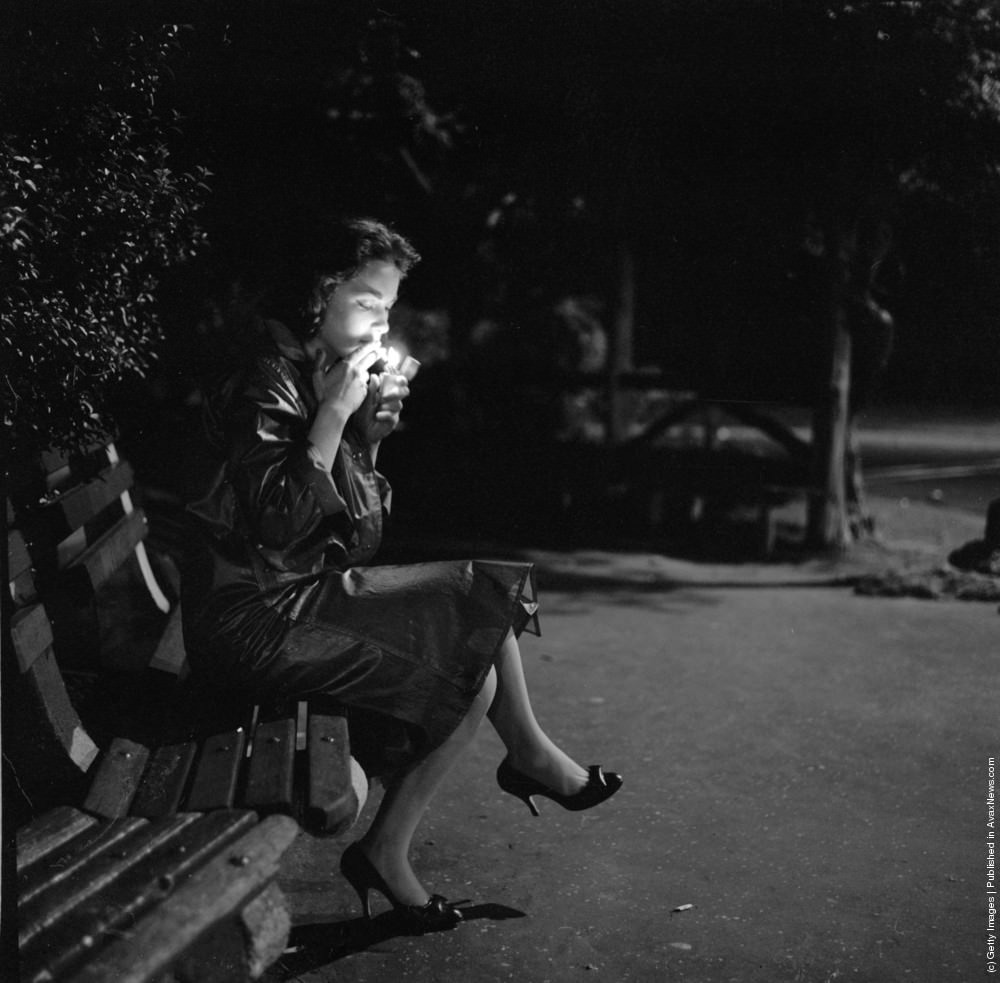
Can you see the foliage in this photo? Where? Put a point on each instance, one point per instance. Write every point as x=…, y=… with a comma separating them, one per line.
x=896, y=95
x=92, y=213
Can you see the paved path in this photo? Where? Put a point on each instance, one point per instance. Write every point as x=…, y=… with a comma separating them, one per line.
x=806, y=768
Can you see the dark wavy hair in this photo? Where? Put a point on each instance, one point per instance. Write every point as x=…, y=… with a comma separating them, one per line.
x=343, y=249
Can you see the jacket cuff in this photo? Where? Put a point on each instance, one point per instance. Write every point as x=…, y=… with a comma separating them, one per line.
x=320, y=482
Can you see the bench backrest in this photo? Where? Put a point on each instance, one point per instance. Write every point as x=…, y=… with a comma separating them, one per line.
x=71, y=524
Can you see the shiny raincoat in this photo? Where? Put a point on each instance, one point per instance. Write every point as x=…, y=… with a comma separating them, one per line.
x=279, y=599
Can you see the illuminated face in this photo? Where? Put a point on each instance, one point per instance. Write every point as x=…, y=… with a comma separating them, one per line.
x=358, y=311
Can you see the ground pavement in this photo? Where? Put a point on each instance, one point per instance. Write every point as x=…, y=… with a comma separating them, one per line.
x=805, y=798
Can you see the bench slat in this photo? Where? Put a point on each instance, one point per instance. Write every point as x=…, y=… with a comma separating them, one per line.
x=214, y=783
x=69, y=549
x=31, y=634
x=135, y=888
x=18, y=558
x=117, y=778
x=19, y=568
x=22, y=588
x=212, y=894
x=57, y=527
x=163, y=784
x=49, y=832
x=59, y=721
x=56, y=900
x=170, y=656
x=60, y=467
x=70, y=856
x=84, y=502
x=270, y=778
x=332, y=802
x=107, y=554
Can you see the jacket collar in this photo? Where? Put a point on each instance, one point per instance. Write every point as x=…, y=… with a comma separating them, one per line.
x=285, y=341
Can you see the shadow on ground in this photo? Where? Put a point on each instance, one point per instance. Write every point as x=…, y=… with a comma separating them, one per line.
x=313, y=946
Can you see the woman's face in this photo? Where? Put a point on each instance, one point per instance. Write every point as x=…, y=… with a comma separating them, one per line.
x=358, y=311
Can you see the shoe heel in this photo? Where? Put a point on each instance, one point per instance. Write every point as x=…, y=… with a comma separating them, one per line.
x=364, y=897
x=366, y=903
x=530, y=803
x=361, y=889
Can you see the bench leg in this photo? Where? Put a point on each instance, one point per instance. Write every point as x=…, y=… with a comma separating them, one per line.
x=767, y=531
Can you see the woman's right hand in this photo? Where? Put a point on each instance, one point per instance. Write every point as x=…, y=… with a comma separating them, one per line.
x=343, y=385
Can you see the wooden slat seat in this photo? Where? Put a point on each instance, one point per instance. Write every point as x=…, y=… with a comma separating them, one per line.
x=128, y=899
x=247, y=759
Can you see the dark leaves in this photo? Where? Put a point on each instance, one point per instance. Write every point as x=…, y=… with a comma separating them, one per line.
x=91, y=215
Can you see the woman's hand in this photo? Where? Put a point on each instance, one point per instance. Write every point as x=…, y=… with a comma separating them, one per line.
x=379, y=415
x=340, y=390
x=343, y=386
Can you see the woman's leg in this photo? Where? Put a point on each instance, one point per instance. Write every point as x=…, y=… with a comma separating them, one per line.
x=387, y=841
x=530, y=750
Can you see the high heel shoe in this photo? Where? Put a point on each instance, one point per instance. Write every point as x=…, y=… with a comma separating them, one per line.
x=600, y=785
x=361, y=874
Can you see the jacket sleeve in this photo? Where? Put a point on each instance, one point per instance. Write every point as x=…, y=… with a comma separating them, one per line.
x=283, y=491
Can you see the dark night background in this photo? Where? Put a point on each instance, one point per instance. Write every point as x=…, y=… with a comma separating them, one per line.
x=527, y=149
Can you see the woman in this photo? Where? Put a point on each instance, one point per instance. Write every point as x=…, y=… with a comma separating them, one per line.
x=278, y=598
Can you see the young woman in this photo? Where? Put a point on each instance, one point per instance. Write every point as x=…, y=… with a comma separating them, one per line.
x=279, y=599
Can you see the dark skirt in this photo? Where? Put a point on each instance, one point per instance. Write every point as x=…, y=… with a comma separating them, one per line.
x=405, y=649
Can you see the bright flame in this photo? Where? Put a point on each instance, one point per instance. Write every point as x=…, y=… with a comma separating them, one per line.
x=392, y=358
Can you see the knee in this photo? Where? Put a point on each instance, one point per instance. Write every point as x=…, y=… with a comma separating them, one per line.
x=484, y=698
x=509, y=652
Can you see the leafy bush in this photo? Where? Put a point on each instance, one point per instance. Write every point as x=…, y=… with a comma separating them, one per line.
x=91, y=215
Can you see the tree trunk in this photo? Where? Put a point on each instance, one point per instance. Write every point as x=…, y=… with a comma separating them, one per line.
x=828, y=526
x=621, y=359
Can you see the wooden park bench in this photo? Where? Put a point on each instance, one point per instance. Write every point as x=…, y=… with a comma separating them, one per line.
x=186, y=800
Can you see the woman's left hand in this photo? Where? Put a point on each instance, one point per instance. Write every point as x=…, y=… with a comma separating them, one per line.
x=379, y=413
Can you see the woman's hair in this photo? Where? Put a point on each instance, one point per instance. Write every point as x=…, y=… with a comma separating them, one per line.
x=343, y=250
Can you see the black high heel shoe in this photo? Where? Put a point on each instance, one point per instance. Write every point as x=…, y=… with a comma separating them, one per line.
x=600, y=785
x=361, y=874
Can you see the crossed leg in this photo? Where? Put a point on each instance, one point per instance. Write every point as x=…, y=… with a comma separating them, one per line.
x=530, y=750
x=504, y=697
